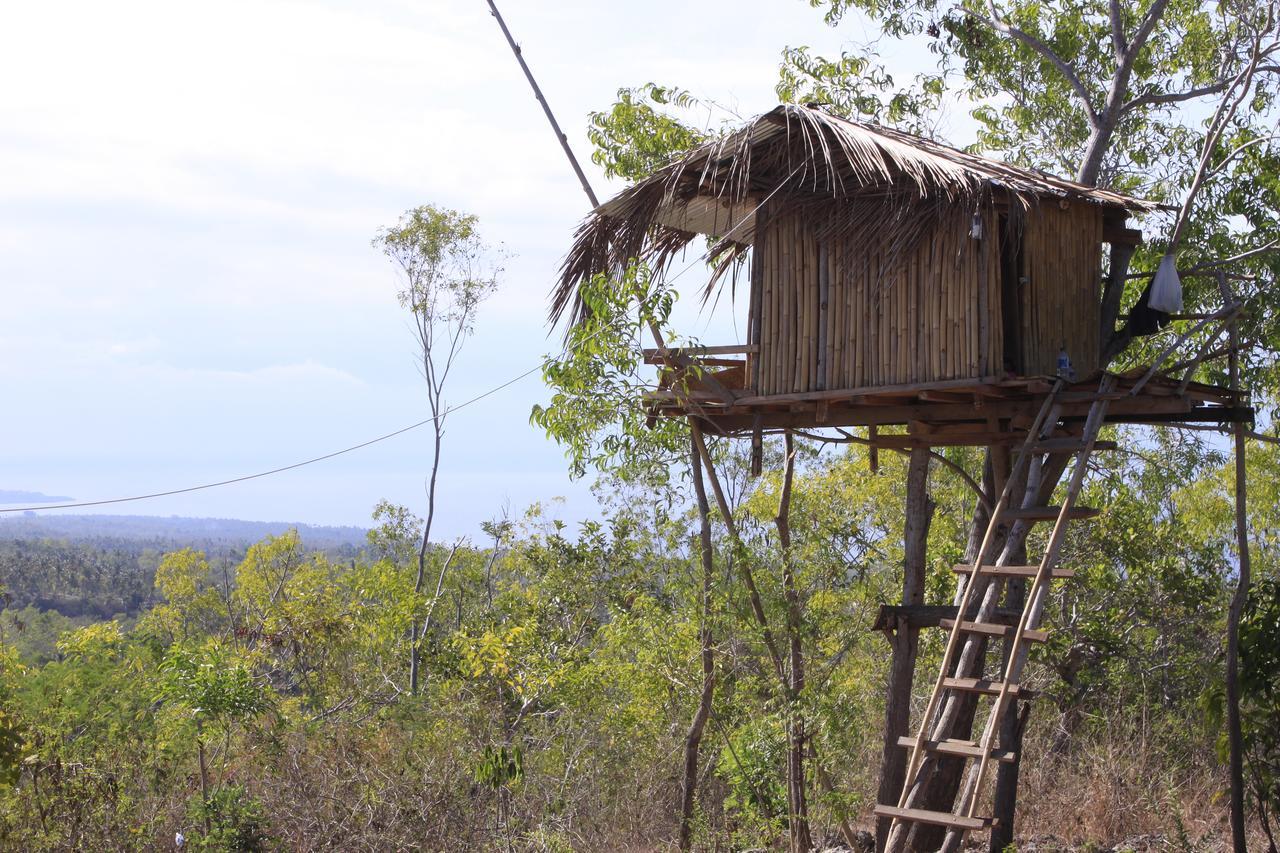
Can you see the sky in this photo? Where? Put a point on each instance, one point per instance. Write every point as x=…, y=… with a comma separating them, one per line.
x=187, y=198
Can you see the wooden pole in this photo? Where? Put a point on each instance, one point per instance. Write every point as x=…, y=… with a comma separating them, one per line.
x=725, y=395
x=1006, y=794
x=546, y=108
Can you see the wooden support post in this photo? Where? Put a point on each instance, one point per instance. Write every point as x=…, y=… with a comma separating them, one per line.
x=1011, y=729
x=757, y=446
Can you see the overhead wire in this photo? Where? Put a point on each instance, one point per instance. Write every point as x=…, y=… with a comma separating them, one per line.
x=323, y=457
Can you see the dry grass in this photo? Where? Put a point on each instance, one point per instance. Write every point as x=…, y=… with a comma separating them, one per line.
x=1117, y=788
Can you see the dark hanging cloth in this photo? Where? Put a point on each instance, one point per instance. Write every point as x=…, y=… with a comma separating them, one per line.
x=1145, y=320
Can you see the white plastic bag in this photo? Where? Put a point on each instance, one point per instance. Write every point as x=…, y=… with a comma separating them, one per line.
x=1166, y=290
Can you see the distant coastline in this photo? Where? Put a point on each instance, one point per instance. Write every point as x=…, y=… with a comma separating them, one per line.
x=174, y=530
x=21, y=496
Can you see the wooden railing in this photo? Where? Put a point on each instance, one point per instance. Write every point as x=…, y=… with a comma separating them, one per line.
x=710, y=368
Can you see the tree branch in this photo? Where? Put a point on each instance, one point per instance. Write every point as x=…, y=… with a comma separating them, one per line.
x=1065, y=68
x=1144, y=29
x=1176, y=97
x=1119, y=43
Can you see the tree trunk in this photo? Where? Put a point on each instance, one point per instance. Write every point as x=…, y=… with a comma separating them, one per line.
x=943, y=780
x=1238, y=603
x=415, y=653
x=1006, y=798
x=906, y=638
x=801, y=839
x=693, y=740
x=204, y=782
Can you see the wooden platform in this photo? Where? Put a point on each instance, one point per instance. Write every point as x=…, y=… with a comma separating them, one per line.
x=968, y=412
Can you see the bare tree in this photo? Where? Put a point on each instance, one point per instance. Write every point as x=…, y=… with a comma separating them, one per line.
x=447, y=271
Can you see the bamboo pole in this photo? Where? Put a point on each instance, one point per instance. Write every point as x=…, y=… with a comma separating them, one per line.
x=825, y=348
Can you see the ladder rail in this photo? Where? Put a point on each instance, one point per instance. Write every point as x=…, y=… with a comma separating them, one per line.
x=997, y=517
x=1035, y=599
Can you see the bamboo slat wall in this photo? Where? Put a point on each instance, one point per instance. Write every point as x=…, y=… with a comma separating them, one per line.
x=1063, y=292
x=834, y=313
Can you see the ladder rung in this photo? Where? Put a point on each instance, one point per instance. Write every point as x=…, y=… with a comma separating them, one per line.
x=1012, y=571
x=963, y=748
x=983, y=685
x=1031, y=635
x=935, y=818
x=1070, y=444
x=1049, y=513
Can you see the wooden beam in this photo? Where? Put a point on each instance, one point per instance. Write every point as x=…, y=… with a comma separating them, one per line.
x=929, y=616
x=696, y=351
x=739, y=418
x=932, y=396
x=867, y=391
x=935, y=818
x=708, y=361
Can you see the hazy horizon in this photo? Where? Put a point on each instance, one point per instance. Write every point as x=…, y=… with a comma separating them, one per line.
x=185, y=215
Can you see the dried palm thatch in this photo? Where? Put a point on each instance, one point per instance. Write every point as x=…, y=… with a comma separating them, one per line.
x=798, y=157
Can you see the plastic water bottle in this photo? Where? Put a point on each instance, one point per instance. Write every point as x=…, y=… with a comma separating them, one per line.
x=1065, y=370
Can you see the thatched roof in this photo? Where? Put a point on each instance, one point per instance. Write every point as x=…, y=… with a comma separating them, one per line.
x=891, y=184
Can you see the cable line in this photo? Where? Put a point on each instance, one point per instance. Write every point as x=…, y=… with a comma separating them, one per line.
x=77, y=504
x=283, y=468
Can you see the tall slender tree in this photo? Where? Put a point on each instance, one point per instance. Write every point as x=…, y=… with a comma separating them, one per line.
x=446, y=271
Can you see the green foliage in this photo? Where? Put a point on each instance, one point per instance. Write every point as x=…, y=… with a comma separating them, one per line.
x=1260, y=699
x=595, y=412
x=564, y=668
x=237, y=822
x=750, y=760
x=211, y=685
x=500, y=767
x=635, y=137
x=445, y=263
x=857, y=85
x=12, y=732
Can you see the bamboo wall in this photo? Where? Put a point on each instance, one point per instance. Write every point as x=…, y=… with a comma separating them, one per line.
x=1061, y=300
x=831, y=314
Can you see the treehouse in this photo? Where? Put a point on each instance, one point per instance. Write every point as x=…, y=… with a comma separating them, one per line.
x=892, y=280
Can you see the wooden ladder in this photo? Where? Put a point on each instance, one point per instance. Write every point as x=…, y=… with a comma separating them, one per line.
x=982, y=586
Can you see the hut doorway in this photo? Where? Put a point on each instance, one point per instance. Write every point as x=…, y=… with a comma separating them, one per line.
x=1011, y=303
